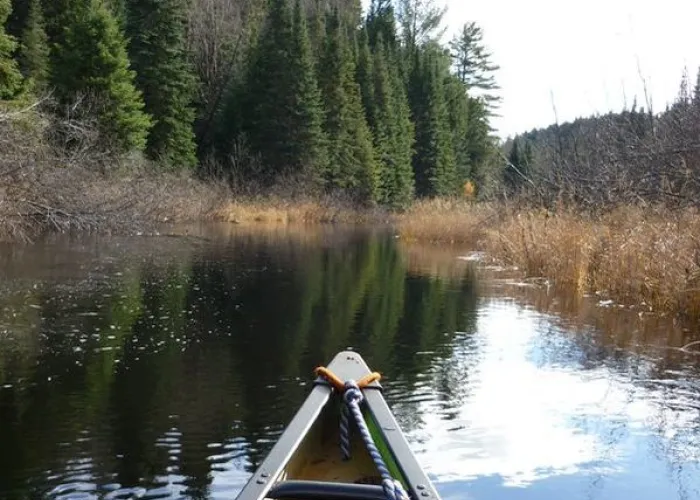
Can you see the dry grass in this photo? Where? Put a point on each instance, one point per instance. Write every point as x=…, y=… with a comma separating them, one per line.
x=644, y=257
x=279, y=210
x=446, y=221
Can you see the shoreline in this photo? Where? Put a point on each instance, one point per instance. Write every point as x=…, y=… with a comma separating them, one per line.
x=648, y=259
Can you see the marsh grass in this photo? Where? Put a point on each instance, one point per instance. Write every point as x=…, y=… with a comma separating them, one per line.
x=275, y=210
x=647, y=257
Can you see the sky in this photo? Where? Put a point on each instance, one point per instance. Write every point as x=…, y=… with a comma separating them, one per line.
x=586, y=57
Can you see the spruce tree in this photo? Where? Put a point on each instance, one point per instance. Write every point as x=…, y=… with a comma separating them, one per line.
x=58, y=15
x=103, y=75
x=458, y=110
x=381, y=23
x=479, y=144
x=156, y=33
x=265, y=107
x=17, y=19
x=478, y=129
x=10, y=77
x=405, y=134
x=353, y=165
x=393, y=132
x=308, y=137
x=34, y=49
x=282, y=107
x=119, y=9
x=317, y=28
x=365, y=77
x=433, y=161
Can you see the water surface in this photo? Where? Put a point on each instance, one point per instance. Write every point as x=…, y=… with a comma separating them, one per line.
x=166, y=367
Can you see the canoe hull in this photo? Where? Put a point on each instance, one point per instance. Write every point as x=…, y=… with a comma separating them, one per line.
x=306, y=461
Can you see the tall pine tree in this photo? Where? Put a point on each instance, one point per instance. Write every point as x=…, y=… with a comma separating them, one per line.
x=156, y=33
x=473, y=65
x=34, y=49
x=103, y=75
x=353, y=165
x=10, y=77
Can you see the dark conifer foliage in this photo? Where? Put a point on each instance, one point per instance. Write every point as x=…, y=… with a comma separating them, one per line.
x=10, y=77
x=34, y=48
x=102, y=79
x=353, y=164
x=370, y=105
x=434, y=162
x=156, y=33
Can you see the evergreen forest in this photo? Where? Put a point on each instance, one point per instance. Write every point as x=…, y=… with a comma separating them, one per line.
x=374, y=105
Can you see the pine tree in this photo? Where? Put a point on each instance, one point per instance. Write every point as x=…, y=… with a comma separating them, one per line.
x=34, y=49
x=420, y=22
x=156, y=33
x=353, y=165
x=10, y=77
x=102, y=75
x=393, y=132
x=473, y=65
x=433, y=161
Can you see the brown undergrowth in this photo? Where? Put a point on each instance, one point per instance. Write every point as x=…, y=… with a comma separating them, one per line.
x=642, y=256
x=59, y=174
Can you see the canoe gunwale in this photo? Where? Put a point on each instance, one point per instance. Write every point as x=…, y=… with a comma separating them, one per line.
x=347, y=365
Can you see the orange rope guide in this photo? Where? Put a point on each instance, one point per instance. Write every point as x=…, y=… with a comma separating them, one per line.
x=339, y=385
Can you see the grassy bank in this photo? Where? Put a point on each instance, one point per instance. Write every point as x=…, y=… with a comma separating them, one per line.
x=642, y=257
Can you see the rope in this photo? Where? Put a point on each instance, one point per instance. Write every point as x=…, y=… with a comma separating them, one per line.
x=352, y=396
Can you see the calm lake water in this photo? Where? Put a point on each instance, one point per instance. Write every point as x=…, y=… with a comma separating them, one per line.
x=166, y=367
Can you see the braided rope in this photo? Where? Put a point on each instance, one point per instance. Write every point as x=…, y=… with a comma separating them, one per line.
x=353, y=397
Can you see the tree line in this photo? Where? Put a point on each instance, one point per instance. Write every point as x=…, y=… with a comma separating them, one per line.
x=373, y=105
x=629, y=157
